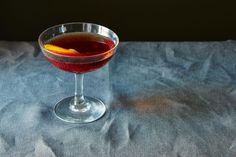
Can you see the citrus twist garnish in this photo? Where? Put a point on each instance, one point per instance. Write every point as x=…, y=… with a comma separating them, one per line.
x=60, y=50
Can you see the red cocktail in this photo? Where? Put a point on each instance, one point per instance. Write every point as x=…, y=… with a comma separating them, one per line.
x=84, y=45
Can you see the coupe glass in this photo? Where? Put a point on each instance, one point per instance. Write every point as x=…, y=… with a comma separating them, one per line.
x=78, y=108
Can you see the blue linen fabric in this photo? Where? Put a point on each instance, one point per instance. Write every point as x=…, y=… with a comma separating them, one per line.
x=164, y=99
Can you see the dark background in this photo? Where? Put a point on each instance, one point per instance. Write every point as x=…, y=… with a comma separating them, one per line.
x=137, y=20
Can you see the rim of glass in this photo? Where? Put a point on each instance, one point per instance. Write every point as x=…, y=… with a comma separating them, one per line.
x=71, y=23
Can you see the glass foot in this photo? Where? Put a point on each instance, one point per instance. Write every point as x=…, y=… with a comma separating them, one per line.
x=95, y=110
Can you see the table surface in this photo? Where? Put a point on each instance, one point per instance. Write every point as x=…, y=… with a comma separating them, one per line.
x=164, y=99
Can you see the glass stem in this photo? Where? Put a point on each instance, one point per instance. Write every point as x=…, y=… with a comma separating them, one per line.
x=79, y=78
x=78, y=104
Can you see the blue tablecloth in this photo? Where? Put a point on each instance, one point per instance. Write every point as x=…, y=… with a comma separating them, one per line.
x=164, y=99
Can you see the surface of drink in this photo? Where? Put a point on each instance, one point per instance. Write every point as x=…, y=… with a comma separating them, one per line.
x=92, y=51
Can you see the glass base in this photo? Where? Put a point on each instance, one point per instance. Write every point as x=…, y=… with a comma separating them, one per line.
x=95, y=111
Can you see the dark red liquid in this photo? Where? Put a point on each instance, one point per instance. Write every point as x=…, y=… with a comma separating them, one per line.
x=87, y=45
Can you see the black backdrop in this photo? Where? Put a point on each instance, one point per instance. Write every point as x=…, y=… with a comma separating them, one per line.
x=139, y=20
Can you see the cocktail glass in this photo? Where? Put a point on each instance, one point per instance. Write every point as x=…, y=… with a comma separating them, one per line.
x=78, y=108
